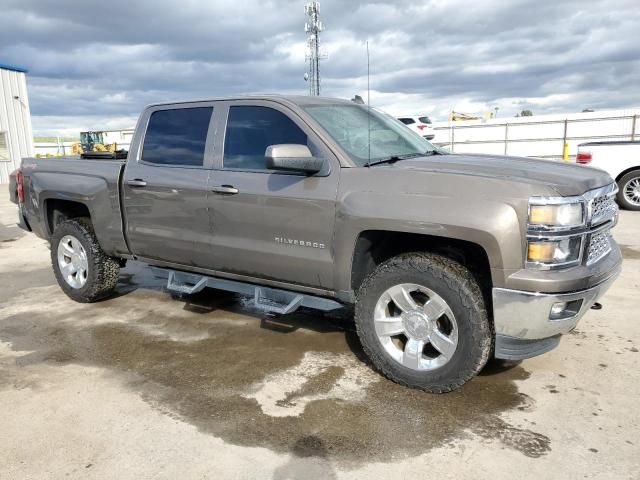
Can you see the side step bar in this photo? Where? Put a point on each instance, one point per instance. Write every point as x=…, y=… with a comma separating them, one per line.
x=184, y=285
x=273, y=300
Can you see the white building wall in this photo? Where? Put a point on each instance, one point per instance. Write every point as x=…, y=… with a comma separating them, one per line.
x=15, y=120
x=537, y=136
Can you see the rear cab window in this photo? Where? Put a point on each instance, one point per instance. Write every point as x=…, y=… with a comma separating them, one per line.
x=177, y=136
x=425, y=120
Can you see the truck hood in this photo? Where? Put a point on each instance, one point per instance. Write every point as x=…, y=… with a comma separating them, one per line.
x=565, y=178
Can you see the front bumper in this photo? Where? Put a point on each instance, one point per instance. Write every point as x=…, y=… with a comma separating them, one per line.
x=523, y=324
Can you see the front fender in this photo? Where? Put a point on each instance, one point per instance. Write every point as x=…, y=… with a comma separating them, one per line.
x=491, y=224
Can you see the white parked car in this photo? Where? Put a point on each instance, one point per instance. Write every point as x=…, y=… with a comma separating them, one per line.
x=621, y=160
x=420, y=124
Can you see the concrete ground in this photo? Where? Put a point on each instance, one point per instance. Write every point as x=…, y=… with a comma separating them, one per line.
x=147, y=386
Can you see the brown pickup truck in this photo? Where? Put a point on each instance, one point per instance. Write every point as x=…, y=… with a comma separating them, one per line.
x=320, y=203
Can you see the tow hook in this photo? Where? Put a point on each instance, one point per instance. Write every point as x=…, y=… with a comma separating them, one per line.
x=596, y=306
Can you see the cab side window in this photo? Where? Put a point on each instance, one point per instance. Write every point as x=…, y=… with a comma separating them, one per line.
x=177, y=136
x=250, y=130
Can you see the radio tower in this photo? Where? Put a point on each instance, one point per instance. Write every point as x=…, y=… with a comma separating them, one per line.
x=313, y=26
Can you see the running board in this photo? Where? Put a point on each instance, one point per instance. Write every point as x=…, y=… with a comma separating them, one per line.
x=177, y=282
x=273, y=300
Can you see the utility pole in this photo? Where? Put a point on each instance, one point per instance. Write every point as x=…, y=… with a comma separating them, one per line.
x=313, y=26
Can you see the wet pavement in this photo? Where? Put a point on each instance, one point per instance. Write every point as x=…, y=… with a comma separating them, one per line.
x=99, y=390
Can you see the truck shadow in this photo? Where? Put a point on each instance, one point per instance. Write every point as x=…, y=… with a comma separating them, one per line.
x=10, y=234
x=137, y=275
x=209, y=300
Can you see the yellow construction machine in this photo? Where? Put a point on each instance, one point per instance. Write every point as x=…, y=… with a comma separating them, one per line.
x=92, y=142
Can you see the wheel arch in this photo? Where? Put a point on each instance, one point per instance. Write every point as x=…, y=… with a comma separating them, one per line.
x=628, y=170
x=373, y=247
x=58, y=210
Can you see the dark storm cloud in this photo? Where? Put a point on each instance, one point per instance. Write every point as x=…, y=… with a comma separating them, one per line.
x=110, y=59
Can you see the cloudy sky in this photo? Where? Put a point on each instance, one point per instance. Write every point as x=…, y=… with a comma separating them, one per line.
x=95, y=64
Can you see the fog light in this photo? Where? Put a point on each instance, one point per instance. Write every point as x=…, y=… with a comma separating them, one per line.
x=564, y=310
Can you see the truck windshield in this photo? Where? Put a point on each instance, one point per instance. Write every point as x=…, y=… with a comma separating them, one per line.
x=368, y=135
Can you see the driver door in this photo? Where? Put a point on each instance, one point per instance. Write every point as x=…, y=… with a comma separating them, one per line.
x=266, y=223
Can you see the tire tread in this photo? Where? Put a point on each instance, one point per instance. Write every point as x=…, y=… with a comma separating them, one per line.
x=104, y=269
x=460, y=280
x=622, y=200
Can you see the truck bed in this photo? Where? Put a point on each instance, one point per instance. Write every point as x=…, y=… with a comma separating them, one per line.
x=93, y=182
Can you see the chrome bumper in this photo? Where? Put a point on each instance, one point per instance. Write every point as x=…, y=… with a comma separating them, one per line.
x=526, y=315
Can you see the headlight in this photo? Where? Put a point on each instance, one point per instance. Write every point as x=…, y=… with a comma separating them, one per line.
x=551, y=252
x=556, y=215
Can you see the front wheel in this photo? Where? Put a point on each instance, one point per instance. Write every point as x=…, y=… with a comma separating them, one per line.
x=83, y=271
x=422, y=321
x=629, y=190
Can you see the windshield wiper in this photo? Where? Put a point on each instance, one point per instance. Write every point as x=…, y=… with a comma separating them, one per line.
x=395, y=158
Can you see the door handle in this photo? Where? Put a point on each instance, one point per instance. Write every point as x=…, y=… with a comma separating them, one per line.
x=136, y=182
x=225, y=190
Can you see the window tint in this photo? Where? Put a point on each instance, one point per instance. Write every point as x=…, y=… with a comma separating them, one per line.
x=425, y=119
x=250, y=130
x=407, y=121
x=177, y=137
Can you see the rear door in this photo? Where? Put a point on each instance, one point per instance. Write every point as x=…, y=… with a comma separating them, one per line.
x=165, y=185
x=270, y=224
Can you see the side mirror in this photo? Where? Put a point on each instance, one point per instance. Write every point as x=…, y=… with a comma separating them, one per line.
x=294, y=158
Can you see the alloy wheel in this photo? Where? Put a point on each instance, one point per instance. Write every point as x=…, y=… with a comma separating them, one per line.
x=416, y=326
x=72, y=260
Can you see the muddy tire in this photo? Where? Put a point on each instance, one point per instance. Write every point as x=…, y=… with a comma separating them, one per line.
x=629, y=191
x=422, y=322
x=83, y=271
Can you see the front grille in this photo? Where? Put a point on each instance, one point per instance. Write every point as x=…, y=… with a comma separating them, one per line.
x=599, y=246
x=603, y=208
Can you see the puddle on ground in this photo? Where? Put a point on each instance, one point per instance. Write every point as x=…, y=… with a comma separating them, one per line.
x=213, y=361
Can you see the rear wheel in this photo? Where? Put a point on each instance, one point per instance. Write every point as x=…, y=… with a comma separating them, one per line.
x=629, y=190
x=422, y=321
x=83, y=271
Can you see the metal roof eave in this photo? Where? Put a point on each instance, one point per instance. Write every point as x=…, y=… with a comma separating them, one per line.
x=14, y=68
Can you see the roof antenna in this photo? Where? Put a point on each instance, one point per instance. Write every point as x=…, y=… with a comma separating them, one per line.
x=368, y=108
